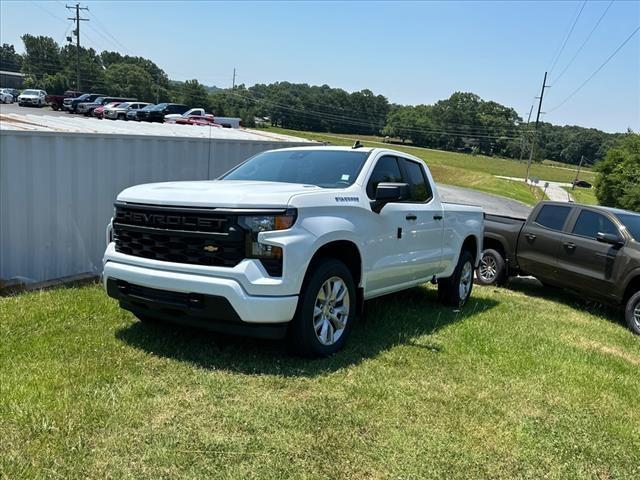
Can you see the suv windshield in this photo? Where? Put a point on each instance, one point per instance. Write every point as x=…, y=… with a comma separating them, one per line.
x=148, y=107
x=632, y=222
x=98, y=100
x=324, y=168
x=31, y=92
x=160, y=106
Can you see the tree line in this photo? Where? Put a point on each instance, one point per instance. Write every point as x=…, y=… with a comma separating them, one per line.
x=463, y=122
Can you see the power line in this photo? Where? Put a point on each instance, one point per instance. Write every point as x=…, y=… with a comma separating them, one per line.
x=566, y=39
x=583, y=43
x=596, y=71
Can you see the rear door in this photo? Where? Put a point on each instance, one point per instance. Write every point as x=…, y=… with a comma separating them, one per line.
x=425, y=222
x=540, y=241
x=586, y=264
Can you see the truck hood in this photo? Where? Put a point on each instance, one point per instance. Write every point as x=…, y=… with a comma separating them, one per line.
x=216, y=193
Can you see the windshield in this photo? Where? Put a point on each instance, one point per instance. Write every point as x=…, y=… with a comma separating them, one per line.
x=83, y=97
x=123, y=105
x=160, y=106
x=99, y=100
x=148, y=107
x=324, y=168
x=632, y=222
x=31, y=92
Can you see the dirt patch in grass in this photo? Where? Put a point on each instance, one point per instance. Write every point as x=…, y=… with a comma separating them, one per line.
x=587, y=344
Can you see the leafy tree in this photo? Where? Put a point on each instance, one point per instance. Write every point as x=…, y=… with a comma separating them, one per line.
x=193, y=93
x=10, y=61
x=42, y=56
x=131, y=81
x=618, y=184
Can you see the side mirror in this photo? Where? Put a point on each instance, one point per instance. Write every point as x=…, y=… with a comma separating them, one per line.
x=609, y=238
x=389, y=193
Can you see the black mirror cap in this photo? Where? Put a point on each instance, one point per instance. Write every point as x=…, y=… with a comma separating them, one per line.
x=610, y=238
x=388, y=193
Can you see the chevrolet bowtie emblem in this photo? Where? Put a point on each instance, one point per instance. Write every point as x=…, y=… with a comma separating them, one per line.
x=210, y=248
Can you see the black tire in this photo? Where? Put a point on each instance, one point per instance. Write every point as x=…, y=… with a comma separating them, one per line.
x=632, y=313
x=492, y=269
x=449, y=289
x=302, y=337
x=121, y=116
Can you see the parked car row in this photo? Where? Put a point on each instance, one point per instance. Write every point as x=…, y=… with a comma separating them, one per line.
x=99, y=105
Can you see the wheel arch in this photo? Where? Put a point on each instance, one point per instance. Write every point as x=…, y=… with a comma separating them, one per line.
x=348, y=253
x=633, y=286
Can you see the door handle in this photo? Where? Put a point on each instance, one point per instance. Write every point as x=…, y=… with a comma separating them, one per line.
x=530, y=236
x=569, y=245
x=437, y=217
x=411, y=216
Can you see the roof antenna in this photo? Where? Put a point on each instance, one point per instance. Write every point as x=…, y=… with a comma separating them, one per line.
x=357, y=145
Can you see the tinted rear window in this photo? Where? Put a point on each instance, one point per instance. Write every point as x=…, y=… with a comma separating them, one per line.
x=632, y=222
x=553, y=216
x=589, y=224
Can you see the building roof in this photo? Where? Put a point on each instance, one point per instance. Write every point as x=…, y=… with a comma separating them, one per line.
x=15, y=74
x=75, y=124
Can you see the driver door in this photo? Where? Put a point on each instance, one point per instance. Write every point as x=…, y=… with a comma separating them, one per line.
x=387, y=244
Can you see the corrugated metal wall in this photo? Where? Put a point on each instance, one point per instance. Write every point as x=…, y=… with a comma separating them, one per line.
x=57, y=191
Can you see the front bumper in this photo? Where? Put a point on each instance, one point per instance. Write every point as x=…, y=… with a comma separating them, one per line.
x=244, y=309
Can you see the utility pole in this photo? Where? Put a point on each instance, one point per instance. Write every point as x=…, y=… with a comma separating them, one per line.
x=77, y=19
x=523, y=137
x=578, y=173
x=233, y=85
x=535, y=130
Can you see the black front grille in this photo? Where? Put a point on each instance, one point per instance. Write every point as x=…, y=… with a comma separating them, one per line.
x=179, y=235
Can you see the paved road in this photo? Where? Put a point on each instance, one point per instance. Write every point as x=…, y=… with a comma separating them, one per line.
x=554, y=191
x=491, y=203
x=15, y=108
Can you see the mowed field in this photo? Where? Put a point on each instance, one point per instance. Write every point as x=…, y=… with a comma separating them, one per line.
x=464, y=170
x=515, y=385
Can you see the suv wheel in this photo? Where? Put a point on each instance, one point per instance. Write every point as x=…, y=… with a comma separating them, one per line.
x=456, y=290
x=632, y=313
x=491, y=270
x=326, y=310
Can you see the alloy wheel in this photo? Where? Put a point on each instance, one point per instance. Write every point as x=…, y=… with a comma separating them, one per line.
x=488, y=268
x=331, y=311
x=466, y=277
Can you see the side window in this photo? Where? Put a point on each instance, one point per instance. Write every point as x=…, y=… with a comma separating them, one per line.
x=589, y=224
x=419, y=188
x=386, y=170
x=553, y=216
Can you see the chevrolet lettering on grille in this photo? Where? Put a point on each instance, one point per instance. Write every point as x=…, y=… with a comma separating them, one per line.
x=168, y=220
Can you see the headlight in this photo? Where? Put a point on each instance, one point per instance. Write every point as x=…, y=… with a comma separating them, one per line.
x=269, y=255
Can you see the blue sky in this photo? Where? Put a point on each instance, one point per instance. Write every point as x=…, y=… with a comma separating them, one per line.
x=411, y=52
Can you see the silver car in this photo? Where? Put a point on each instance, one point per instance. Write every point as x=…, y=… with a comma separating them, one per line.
x=119, y=112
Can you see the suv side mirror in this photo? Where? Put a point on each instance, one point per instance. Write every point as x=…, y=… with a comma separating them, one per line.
x=609, y=238
x=389, y=193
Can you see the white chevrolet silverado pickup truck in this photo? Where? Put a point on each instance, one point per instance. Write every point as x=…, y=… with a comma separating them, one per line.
x=289, y=244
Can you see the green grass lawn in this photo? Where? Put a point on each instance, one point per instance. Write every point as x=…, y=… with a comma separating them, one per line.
x=514, y=386
x=551, y=171
x=583, y=195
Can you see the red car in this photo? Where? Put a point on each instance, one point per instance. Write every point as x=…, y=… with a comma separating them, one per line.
x=98, y=112
x=206, y=120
